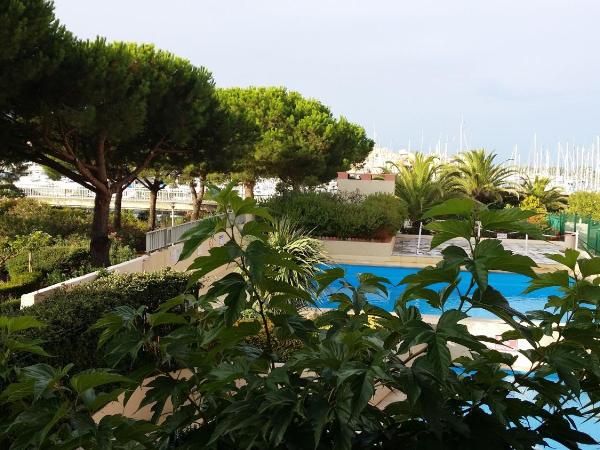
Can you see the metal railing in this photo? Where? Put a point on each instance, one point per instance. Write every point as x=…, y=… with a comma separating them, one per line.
x=78, y=192
x=164, y=237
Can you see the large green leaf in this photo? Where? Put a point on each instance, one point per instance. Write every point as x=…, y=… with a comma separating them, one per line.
x=569, y=259
x=195, y=236
x=96, y=377
x=589, y=267
x=558, y=278
x=449, y=229
x=19, y=323
x=462, y=207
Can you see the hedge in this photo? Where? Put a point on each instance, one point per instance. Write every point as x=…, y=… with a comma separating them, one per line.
x=376, y=216
x=25, y=215
x=69, y=313
x=68, y=261
x=10, y=306
x=20, y=284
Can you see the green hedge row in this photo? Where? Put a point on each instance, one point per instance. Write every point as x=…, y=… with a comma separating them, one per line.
x=376, y=216
x=10, y=306
x=67, y=260
x=20, y=284
x=69, y=313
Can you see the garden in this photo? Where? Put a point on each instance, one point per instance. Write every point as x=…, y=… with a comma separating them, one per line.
x=41, y=245
x=216, y=375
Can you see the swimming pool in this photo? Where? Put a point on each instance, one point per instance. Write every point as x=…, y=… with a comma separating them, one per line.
x=511, y=286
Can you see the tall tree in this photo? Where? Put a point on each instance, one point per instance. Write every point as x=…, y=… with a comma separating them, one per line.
x=155, y=180
x=115, y=106
x=32, y=47
x=481, y=177
x=281, y=134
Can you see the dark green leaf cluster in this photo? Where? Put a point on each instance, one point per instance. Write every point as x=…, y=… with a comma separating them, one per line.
x=279, y=133
x=68, y=314
x=209, y=384
x=377, y=216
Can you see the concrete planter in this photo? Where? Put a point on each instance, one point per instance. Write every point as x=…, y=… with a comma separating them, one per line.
x=343, y=248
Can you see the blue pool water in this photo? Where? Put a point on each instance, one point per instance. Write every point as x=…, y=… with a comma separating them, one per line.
x=511, y=286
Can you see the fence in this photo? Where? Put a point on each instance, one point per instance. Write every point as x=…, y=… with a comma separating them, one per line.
x=164, y=237
x=589, y=230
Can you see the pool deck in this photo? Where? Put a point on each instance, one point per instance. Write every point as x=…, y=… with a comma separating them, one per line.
x=406, y=245
x=405, y=253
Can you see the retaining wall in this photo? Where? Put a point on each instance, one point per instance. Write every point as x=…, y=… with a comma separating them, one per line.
x=151, y=262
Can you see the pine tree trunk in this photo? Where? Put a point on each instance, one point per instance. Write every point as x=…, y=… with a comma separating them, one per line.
x=198, y=201
x=117, y=217
x=249, y=189
x=152, y=212
x=100, y=244
x=196, y=210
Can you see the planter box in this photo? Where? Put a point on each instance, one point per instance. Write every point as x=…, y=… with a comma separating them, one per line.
x=339, y=248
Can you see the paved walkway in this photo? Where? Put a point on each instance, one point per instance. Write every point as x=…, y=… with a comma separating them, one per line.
x=407, y=245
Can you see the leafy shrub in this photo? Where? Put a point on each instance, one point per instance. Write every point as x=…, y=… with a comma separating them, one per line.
x=586, y=204
x=376, y=216
x=10, y=306
x=20, y=284
x=457, y=390
x=69, y=313
x=62, y=262
x=25, y=215
x=132, y=232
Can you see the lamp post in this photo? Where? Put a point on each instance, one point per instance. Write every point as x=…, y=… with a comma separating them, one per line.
x=172, y=214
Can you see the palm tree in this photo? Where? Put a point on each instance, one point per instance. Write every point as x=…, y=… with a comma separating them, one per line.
x=551, y=198
x=423, y=183
x=480, y=177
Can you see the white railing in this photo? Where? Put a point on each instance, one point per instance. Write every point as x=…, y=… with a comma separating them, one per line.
x=164, y=237
x=78, y=192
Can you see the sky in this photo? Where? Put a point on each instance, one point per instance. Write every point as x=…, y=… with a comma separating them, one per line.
x=407, y=71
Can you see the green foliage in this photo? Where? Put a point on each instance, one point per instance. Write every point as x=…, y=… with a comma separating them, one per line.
x=320, y=397
x=24, y=216
x=306, y=252
x=67, y=261
x=10, y=306
x=20, y=284
x=479, y=176
x=277, y=130
x=552, y=199
x=132, y=233
x=53, y=407
x=376, y=216
x=69, y=313
x=423, y=183
x=585, y=204
x=232, y=384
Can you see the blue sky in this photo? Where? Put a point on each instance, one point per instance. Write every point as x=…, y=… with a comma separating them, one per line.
x=405, y=70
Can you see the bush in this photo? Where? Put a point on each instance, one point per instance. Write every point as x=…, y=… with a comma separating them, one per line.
x=376, y=216
x=68, y=259
x=25, y=215
x=60, y=261
x=586, y=204
x=20, y=284
x=132, y=232
x=69, y=313
x=10, y=306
